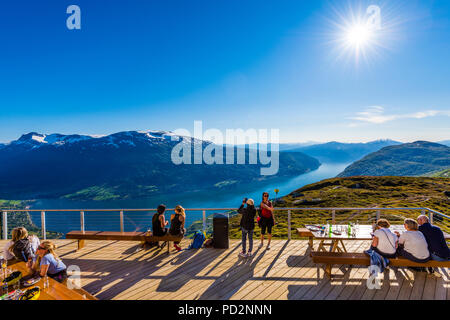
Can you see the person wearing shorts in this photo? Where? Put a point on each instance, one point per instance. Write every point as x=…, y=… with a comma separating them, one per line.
x=267, y=220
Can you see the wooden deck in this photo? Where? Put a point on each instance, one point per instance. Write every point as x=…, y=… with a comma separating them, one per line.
x=119, y=270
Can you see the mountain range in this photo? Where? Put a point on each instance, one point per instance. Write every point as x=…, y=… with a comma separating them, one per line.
x=338, y=152
x=409, y=159
x=123, y=165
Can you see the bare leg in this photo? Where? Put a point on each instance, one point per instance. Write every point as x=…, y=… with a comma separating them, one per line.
x=270, y=238
x=262, y=239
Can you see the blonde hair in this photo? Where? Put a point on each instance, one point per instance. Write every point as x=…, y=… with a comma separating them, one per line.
x=412, y=224
x=18, y=233
x=180, y=209
x=50, y=247
x=250, y=202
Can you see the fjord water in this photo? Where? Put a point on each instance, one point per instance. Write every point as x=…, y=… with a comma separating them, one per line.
x=141, y=221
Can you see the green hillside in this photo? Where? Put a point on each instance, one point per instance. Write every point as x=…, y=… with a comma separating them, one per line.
x=392, y=192
x=409, y=159
x=442, y=173
x=22, y=219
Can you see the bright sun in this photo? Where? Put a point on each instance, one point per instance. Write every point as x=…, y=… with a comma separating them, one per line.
x=358, y=35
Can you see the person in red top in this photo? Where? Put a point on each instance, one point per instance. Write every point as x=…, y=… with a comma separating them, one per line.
x=267, y=219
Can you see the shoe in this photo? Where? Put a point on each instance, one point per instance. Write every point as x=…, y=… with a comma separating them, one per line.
x=268, y=247
x=177, y=247
x=242, y=254
x=261, y=245
x=249, y=254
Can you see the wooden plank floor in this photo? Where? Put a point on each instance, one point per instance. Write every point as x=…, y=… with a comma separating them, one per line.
x=120, y=270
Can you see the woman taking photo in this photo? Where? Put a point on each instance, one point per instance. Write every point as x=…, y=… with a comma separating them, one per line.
x=48, y=263
x=177, y=224
x=247, y=226
x=267, y=220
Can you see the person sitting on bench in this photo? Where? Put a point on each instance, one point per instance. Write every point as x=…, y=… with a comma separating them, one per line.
x=384, y=242
x=412, y=244
x=435, y=238
x=159, y=223
x=177, y=224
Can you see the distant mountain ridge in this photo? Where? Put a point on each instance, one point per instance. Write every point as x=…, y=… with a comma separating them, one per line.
x=131, y=164
x=409, y=159
x=343, y=152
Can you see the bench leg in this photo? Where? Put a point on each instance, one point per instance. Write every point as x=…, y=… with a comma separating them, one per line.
x=328, y=270
x=343, y=246
x=80, y=244
x=334, y=246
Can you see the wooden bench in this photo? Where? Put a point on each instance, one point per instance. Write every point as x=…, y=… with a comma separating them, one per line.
x=361, y=259
x=143, y=237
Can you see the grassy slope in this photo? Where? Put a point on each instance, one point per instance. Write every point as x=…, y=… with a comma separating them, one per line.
x=22, y=219
x=443, y=174
x=360, y=192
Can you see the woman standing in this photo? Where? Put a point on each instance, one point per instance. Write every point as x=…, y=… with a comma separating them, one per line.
x=247, y=226
x=177, y=225
x=267, y=219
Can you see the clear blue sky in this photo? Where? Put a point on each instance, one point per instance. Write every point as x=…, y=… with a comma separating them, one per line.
x=160, y=65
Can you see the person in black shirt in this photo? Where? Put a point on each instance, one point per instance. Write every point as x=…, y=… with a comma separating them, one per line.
x=159, y=223
x=435, y=238
x=247, y=226
x=177, y=225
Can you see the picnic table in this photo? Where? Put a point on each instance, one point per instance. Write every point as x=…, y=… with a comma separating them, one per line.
x=335, y=241
x=55, y=291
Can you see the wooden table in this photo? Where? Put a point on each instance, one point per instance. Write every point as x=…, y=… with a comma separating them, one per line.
x=336, y=241
x=55, y=291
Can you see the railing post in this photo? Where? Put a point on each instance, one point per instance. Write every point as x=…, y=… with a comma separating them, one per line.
x=333, y=216
x=378, y=214
x=44, y=231
x=204, y=220
x=430, y=216
x=121, y=221
x=289, y=224
x=82, y=221
x=5, y=225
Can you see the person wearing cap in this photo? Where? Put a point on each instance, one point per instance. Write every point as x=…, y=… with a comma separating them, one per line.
x=247, y=226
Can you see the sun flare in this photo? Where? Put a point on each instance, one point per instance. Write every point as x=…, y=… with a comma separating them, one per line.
x=358, y=35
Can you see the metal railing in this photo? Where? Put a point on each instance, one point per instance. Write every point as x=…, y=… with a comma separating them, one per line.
x=432, y=214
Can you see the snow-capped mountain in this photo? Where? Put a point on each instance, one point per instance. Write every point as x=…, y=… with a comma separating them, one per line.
x=36, y=140
x=127, y=164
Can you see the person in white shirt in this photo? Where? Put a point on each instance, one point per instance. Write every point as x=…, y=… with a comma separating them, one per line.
x=384, y=242
x=412, y=243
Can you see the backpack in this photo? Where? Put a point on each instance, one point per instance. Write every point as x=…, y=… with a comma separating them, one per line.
x=197, y=240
